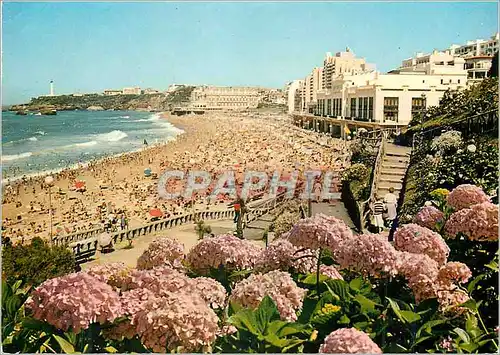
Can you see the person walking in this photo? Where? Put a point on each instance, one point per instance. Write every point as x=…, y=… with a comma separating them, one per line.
x=378, y=208
x=237, y=211
x=391, y=204
x=122, y=221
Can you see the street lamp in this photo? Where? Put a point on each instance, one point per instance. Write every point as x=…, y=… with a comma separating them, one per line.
x=49, y=181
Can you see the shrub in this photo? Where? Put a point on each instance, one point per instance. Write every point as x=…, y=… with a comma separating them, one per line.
x=36, y=262
x=447, y=142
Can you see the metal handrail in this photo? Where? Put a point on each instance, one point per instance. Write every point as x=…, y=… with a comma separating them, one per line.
x=376, y=173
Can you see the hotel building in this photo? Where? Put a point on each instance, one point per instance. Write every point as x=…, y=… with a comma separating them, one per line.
x=225, y=97
x=394, y=97
x=132, y=91
x=477, y=54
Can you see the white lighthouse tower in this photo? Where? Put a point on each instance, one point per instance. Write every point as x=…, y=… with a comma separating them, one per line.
x=51, y=88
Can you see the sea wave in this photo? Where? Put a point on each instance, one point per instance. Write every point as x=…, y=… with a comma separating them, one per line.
x=42, y=133
x=33, y=139
x=113, y=136
x=16, y=156
x=85, y=144
x=124, y=116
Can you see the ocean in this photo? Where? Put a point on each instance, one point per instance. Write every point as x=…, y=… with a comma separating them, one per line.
x=34, y=144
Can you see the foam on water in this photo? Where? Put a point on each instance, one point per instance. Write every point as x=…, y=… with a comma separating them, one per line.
x=33, y=139
x=16, y=156
x=113, y=136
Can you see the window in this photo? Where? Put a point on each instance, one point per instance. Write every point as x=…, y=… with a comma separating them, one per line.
x=459, y=81
x=365, y=108
x=329, y=107
x=360, y=109
x=391, y=108
x=353, y=107
x=417, y=106
x=442, y=81
x=370, y=108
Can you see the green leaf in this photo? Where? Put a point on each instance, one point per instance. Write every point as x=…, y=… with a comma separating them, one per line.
x=339, y=288
x=110, y=349
x=344, y=320
x=468, y=347
x=410, y=316
x=245, y=319
x=470, y=304
x=472, y=284
x=428, y=326
x=66, y=347
x=310, y=279
x=493, y=265
x=308, y=308
x=265, y=313
x=396, y=309
x=356, y=284
x=462, y=334
x=367, y=305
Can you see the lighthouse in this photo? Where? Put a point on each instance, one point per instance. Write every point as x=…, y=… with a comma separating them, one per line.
x=52, y=88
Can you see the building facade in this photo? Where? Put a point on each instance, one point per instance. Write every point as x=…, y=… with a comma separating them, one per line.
x=225, y=97
x=150, y=91
x=112, y=92
x=342, y=63
x=386, y=98
x=132, y=91
x=477, y=56
x=294, y=95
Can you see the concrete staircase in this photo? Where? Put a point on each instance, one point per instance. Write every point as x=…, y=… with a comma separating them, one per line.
x=393, y=169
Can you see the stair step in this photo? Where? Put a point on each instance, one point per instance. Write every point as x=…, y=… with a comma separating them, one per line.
x=386, y=185
x=393, y=158
x=393, y=172
x=397, y=154
x=395, y=179
x=393, y=165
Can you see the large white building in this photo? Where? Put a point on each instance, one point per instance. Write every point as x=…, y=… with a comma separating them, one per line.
x=393, y=97
x=477, y=57
x=293, y=95
x=225, y=97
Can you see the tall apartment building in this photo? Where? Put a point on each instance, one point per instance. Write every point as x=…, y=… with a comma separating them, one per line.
x=477, y=57
x=225, y=97
x=342, y=62
x=312, y=84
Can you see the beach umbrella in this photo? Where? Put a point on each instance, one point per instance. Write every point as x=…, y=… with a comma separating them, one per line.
x=155, y=212
x=79, y=184
x=104, y=239
x=147, y=172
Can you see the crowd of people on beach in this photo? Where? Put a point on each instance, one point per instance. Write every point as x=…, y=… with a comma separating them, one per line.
x=116, y=192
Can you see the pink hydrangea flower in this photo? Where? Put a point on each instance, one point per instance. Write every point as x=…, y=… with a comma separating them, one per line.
x=457, y=223
x=162, y=280
x=429, y=217
x=113, y=274
x=276, y=284
x=454, y=272
x=466, y=195
x=421, y=273
x=178, y=322
x=162, y=252
x=283, y=255
x=479, y=222
x=227, y=250
x=74, y=301
x=420, y=240
x=132, y=302
x=330, y=271
x=369, y=254
x=320, y=231
x=349, y=341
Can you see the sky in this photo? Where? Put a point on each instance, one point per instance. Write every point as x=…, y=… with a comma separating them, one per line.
x=89, y=47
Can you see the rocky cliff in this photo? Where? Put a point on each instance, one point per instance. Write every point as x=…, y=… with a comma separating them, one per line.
x=154, y=102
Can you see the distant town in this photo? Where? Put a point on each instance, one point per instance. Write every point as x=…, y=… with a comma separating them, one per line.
x=344, y=87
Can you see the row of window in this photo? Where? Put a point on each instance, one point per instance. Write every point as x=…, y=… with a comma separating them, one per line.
x=362, y=108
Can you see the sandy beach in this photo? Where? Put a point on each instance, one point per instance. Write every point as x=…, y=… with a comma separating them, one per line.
x=117, y=186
